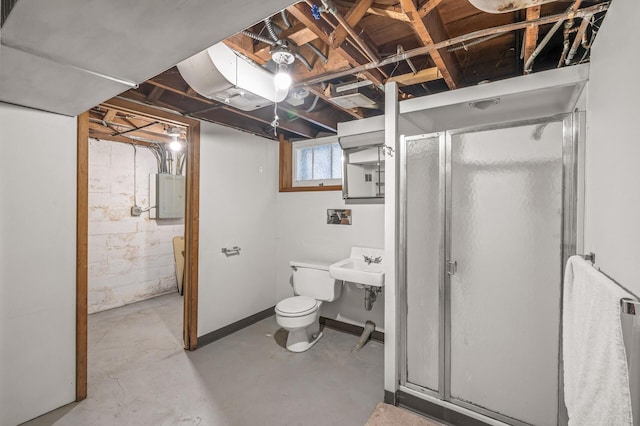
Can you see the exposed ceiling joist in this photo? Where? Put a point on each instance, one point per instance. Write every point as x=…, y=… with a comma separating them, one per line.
x=302, y=12
x=110, y=114
x=428, y=7
x=531, y=33
x=388, y=11
x=422, y=76
x=244, y=44
x=354, y=16
x=431, y=32
x=299, y=34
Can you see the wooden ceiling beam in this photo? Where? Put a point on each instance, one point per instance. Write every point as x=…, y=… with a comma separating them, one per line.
x=422, y=76
x=302, y=12
x=388, y=11
x=431, y=32
x=110, y=114
x=299, y=34
x=428, y=7
x=353, y=17
x=244, y=44
x=531, y=33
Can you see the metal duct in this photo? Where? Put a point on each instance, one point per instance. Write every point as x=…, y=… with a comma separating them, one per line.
x=218, y=73
x=503, y=6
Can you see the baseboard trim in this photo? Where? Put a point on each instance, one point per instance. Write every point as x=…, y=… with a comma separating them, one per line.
x=435, y=411
x=236, y=326
x=345, y=327
x=390, y=397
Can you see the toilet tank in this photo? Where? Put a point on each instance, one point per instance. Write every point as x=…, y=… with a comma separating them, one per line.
x=311, y=278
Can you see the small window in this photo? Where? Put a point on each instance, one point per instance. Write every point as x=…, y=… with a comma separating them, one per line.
x=317, y=162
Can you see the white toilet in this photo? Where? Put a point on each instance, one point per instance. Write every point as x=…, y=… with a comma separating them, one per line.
x=300, y=314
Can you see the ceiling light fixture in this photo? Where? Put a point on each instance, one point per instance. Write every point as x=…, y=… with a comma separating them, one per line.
x=482, y=105
x=283, y=57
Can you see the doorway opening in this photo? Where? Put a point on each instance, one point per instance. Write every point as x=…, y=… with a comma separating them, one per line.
x=139, y=237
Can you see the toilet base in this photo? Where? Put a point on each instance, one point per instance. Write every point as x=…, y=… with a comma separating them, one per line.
x=299, y=342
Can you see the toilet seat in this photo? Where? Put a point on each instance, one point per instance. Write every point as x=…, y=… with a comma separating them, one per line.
x=296, y=306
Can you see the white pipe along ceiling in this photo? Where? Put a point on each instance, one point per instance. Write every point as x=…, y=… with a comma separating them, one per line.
x=67, y=56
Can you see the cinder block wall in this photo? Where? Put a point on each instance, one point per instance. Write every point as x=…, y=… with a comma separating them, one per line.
x=130, y=258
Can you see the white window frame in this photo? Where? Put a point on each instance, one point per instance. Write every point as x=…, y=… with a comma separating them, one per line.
x=329, y=140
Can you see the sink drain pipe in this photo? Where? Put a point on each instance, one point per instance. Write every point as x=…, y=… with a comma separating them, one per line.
x=369, y=327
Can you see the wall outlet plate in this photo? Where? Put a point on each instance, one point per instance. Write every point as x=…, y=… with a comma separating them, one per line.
x=136, y=211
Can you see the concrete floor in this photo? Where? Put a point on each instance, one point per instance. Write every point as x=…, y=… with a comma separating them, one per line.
x=140, y=375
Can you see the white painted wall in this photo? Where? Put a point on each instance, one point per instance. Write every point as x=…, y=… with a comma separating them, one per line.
x=37, y=262
x=238, y=188
x=130, y=258
x=303, y=234
x=612, y=198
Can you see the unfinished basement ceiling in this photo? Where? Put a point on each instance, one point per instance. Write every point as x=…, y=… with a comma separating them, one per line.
x=332, y=56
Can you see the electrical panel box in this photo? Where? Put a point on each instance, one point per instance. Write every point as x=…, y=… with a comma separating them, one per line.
x=169, y=196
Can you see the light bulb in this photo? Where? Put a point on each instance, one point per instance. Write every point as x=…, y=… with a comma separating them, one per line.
x=175, y=145
x=282, y=80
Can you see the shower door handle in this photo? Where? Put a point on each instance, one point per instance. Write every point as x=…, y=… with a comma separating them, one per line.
x=452, y=267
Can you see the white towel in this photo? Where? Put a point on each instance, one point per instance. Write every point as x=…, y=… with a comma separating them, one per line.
x=596, y=377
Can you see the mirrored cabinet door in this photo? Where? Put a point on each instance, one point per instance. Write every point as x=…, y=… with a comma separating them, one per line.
x=363, y=176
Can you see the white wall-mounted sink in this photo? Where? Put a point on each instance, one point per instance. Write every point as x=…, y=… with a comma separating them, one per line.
x=356, y=270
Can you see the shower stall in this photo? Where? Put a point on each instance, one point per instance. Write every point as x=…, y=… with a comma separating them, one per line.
x=486, y=218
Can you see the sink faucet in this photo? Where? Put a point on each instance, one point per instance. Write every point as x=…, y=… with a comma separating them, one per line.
x=371, y=259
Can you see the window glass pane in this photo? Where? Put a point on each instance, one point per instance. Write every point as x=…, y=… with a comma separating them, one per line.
x=322, y=162
x=304, y=159
x=336, y=166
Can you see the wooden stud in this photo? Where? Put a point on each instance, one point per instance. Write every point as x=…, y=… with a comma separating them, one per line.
x=432, y=32
x=285, y=153
x=82, y=256
x=531, y=33
x=192, y=232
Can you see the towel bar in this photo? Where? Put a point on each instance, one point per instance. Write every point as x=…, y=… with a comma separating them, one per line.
x=231, y=251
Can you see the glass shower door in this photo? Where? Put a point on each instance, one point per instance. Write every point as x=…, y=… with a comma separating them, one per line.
x=504, y=268
x=423, y=233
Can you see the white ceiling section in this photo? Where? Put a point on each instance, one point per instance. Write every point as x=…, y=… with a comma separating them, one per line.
x=67, y=56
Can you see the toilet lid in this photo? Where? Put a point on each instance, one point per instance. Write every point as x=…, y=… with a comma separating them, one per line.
x=297, y=305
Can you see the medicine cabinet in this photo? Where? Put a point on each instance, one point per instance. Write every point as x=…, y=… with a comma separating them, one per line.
x=363, y=174
x=362, y=144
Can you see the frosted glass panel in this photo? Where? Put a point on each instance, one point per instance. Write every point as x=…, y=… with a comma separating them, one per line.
x=336, y=162
x=322, y=162
x=423, y=260
x=304, y=163
x=506, y=229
